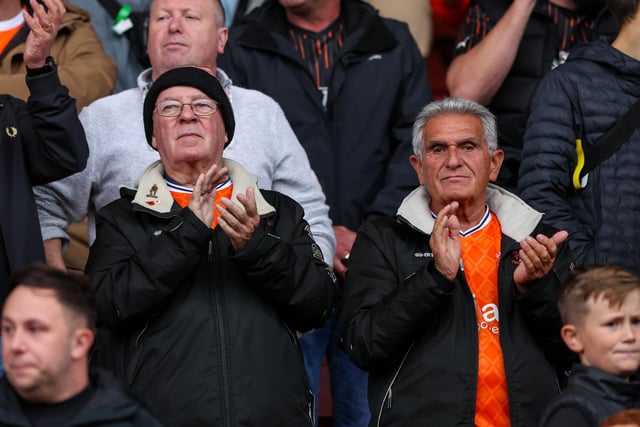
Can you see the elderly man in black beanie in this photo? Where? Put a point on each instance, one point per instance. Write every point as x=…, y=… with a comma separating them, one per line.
x=202, y=279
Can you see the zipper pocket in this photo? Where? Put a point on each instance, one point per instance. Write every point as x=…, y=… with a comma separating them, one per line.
x=388, y=396
x=136, y=352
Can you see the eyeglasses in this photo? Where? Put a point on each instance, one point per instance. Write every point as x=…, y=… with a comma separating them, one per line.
x=200, y=107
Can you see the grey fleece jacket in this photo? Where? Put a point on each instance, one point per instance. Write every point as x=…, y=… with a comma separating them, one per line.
x=263, y=143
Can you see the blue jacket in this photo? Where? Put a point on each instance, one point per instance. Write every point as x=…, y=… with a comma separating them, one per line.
x=584, y=98
x=536, y=55
x=360, y=144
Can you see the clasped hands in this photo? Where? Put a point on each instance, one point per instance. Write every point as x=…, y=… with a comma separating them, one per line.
x=238, y=221
x=537, y=254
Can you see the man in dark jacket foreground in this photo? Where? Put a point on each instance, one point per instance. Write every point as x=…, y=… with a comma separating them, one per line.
x=41, y=141
x=48, y=324
x=583, y=100
x=202, y=279
x=450, y=304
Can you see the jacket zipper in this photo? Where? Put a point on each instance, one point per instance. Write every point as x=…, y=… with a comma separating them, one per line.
x=217, y=308
x=388, y=396
x=311, y=398
x=133, y=362
x=466, y=288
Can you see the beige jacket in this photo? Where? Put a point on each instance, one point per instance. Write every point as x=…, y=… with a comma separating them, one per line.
x=83, y=67
x=416, y=13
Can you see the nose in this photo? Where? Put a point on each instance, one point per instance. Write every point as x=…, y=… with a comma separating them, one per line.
x=175, y=25
x=14, y=342
x=629, y=332
x=453, y=159
x=186, y=114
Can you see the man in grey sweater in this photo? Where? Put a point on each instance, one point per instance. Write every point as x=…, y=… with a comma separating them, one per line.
x=191, y=33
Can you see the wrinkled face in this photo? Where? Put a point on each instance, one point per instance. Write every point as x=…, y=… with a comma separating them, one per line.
x=456, y=164
x=609, y=337
x=37, y=342
x=185, y=32
x=187, y=138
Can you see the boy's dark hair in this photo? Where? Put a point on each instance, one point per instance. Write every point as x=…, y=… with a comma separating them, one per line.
x=74, y=291
x=610, y=282
x=623, y=10
x=628, y=417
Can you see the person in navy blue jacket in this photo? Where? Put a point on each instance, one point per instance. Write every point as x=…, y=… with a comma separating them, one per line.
x=583, y=100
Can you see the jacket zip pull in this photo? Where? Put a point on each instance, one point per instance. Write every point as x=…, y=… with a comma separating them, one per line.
x=389, y=397
x=210, y=252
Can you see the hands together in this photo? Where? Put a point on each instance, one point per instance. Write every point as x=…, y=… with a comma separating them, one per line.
x=238, y=221
x=204, y=193
x=537, y=254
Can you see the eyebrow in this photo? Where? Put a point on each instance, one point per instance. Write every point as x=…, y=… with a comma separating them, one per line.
x=460, y=142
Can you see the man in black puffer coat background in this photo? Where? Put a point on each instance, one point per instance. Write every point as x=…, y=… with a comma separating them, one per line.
x=584, y=99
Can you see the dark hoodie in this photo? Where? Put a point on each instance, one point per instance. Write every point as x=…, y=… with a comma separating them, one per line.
x=108, y=406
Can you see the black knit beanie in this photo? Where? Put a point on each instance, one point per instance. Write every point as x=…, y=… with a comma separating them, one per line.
x=192, y=77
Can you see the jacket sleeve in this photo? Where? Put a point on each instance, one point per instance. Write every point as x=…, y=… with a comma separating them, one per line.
x=280, y=262
x=68, y=200
x=548, y=156
x=381, y=311
x=413, y=95
x=540, y=309
x=54, y=140
x=135, y=274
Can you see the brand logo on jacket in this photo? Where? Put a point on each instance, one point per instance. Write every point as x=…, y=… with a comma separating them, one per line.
x=515, y=255
x=153, y=195
x=423, y=255
x=153, y=191
x=11, y=131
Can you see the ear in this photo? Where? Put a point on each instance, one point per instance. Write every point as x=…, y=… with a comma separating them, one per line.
x=571, y=338
x=223, y=36
x=416, y=163
x=153, y=141
x=496, y=162
x=82, y=341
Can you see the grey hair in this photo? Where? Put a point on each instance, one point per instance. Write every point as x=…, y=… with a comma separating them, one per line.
x=455, y=106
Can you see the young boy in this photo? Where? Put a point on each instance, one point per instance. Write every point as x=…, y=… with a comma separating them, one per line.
x=600, y=308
